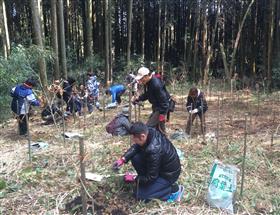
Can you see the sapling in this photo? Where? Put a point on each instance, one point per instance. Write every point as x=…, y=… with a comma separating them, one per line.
x=28, y=132
x=244, y=156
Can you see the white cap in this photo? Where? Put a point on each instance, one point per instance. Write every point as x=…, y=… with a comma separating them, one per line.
x=143, y=71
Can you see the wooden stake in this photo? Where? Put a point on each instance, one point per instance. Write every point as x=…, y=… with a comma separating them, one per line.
x=218, y=128
x=28, y=132
x=258, y=102
x=63, y=121
x=104, y=109
x=129, y=105
x=83, y=176
x=135, y=113
x=244, y=157
x=139, y=112
x=202, y=121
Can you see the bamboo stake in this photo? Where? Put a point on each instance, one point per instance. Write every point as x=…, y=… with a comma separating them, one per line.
x=104, y=109
x=129, y=105
x=139, y=113
x=28, y=132
x=83, y=180
x=218, y=121
x=244, y=157
x=258, y=102
x=135, y=113
x=202, y=120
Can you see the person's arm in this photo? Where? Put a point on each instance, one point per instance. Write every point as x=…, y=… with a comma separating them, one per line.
x=114, y=95
x=189, y=104
x=32, y=100
x=12, y=93
x=144, y=96
x=133, y=150
x=202, y=104
x=153, y=160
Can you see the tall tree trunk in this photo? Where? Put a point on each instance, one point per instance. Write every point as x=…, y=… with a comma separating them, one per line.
x=210, y=46
x=159, y=35
x=4, y=32
x=54, y=38
x=196, y=37
x=143, y=31
x=269, y=45
x=110, y=42
x=129, y=22
x=39, y=42
x=62, y=39
x=107, y=58
x=163, y=38
x=89, y=40
x=232, y=64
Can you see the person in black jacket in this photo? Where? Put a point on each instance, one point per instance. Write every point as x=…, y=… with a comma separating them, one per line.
x=157, y=95
x=196, y=106
x=156, y=162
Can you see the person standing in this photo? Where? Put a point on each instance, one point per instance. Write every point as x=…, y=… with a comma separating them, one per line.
x=92, y=86
x=23, y=97
x=156, y=93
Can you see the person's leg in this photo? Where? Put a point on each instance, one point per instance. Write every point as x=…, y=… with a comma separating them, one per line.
x=202, y=123
x=153, y=119
x=190, y=122
x=89, y=105
x=157, y=189
x=22, y=123
x=118, y=96
x=154, y=122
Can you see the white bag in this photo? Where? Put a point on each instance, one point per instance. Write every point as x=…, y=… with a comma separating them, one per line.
x=222, y=186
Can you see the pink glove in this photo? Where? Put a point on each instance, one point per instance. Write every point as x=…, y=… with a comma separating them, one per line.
x=118, y=163
x=129, y=177
x=161, y=118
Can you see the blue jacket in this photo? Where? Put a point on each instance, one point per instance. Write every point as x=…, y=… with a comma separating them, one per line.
x=19, y=94
x=114, y=90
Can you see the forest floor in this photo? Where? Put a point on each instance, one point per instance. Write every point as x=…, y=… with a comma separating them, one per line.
x=46, y=184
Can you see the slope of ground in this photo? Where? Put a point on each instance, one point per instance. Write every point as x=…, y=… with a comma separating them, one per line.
x=50, y=181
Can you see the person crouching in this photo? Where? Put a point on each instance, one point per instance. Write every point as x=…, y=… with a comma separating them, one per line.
x=156, y=162
x=196, y=106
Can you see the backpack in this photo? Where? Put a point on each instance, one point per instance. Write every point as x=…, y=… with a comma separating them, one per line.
x=110, y=127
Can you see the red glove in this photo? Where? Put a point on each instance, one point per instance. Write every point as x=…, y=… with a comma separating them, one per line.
x=129, y=177
x=118, y=163
x=161, y=118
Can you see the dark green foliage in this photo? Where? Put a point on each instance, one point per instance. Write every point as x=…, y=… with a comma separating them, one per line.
x=20, y=65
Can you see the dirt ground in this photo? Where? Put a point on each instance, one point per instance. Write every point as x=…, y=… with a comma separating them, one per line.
x=51, y=180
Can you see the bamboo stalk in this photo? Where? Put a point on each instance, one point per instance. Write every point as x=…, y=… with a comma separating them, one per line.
x=104, y=109
x=218, y=128
x=244, y=157
x=83, y=177
x=28, y=132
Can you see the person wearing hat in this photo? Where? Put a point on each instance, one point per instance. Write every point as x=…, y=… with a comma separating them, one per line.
x=156, y=93
x=120, y=125
x=23, y=97
x=156, y=162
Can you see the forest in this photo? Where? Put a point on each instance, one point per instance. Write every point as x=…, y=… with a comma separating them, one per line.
x=229, y=49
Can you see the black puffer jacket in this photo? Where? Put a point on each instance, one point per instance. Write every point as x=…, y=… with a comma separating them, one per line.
x=199, y=102
x=160, y=156
x=157, y=95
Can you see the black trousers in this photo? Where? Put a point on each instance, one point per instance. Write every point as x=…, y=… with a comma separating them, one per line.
x=22, y=124
x=118, y=96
